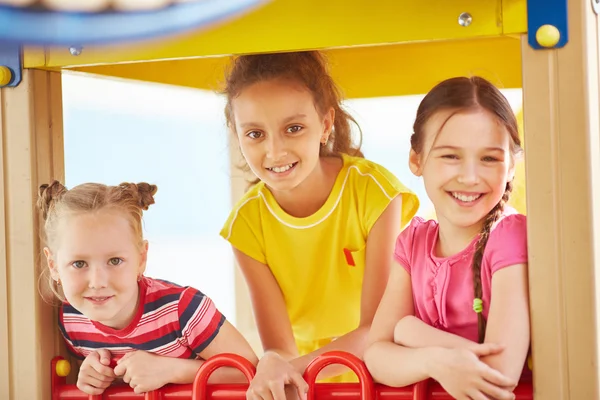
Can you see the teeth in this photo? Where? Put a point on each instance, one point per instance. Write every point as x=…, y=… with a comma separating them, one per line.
x=466, y=198
x=281, y=169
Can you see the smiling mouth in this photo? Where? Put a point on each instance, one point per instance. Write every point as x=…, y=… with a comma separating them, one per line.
x=282, y=168
x=98, y=299
x=466, y=198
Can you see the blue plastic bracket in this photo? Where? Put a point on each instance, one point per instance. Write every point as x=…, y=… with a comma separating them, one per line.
x=547, y=12
x=10, y=56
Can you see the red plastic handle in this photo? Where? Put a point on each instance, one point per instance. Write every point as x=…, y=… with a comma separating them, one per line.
x=367, y=388
x=214, y=363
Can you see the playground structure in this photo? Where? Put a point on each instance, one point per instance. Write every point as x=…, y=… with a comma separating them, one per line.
x=201, y=390
x=388, y=48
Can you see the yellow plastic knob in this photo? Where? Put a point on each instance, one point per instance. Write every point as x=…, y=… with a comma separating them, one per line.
x=5, y=75
x=547, y=36
x=63, y=368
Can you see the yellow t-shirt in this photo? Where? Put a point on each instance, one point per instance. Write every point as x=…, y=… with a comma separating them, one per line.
x=319, y=261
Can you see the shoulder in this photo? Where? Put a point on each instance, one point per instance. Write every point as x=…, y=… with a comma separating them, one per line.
x=246, y=209
x=372, y=175
x=418, y=229
x=414, y=241
x=511, y=225
x=507, y=244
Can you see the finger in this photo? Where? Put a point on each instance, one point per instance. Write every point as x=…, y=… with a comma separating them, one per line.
x=253, y=394
x=301, y=385
x=264, y=393
x=95, y=382
x=495, y=392
x=102, y=369
x=104, y=356
x=496, y=378
x=90, y=372
x=487, y=349
x=120, y=369
x=477, y=395
x=277, y=389
x=125, y=357
x=89, y=389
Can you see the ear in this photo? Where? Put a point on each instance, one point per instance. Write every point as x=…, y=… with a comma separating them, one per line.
x=511, y=171
x=144, y=258
x=328, y=121
x=51, y=264
x=414, y=163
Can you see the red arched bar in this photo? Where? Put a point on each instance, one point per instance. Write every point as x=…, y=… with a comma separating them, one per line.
x=214, y=363
x=367, y=388
x=428, y=390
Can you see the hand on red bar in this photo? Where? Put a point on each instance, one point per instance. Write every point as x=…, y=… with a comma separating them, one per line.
x=95, y=373
x=144, y=371
x=272, y=375
x=464, y=376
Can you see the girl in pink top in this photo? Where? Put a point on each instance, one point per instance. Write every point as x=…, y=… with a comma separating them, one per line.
x=456, y=307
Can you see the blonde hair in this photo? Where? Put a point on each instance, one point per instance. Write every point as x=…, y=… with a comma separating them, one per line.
x=56, y=202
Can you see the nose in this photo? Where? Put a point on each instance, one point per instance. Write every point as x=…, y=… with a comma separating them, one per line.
x=276, y=147
x=469, y=174
x=98, y=277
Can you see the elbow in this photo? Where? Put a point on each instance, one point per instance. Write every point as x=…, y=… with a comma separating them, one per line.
x=369, y=358
x=401, y=328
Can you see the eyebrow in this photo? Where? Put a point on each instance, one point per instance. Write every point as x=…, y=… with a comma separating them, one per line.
x=285, y=121
x=500, y=149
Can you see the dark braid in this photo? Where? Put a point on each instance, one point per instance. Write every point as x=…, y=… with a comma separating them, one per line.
x=490, y=219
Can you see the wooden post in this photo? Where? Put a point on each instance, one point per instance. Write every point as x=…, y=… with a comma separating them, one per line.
x=560, y=89
x=31, y=153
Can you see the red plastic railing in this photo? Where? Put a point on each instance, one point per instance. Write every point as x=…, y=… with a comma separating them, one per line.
x=365, y=389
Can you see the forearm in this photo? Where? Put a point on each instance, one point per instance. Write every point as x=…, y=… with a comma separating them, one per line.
x=398, y=366
x=411, y=332
x=353, y=342
x=184, y=371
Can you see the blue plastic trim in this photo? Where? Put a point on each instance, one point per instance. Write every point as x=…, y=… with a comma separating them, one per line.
x=41, y=27
x=10, y=56
x=547, y=12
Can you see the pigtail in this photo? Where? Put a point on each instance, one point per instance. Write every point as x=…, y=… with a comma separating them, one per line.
x=48, y=194
x=146, y=192
x=490, y=219
x=142, y=192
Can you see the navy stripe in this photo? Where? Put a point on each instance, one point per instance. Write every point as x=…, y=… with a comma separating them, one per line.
x=150, y=345
x=161, y=301
x=189, y=311
x=69, y=309
x=200, y=348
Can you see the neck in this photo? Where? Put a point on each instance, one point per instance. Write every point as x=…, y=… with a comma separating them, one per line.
x=308, y=197
x=453, y=239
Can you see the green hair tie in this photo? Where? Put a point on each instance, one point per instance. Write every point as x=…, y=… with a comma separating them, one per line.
x=477, y=305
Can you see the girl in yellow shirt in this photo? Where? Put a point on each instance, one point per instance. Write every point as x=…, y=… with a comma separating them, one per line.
x=314, y=237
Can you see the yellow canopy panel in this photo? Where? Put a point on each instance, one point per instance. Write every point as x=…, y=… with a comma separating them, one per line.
x=387, y=47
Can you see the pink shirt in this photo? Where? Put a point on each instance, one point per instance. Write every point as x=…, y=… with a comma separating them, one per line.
x=443, y=287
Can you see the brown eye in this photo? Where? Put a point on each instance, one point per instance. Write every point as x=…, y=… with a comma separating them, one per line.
x=115, y=261
x=294, y=129
x=78, y=264
x=254, y=135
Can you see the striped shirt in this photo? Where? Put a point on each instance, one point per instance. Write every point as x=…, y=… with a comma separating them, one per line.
x=171, y=321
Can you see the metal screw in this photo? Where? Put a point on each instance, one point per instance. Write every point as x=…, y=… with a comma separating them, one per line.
x=75, y=50
x=465, y=19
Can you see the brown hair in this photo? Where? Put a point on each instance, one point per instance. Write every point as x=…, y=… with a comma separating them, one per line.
x=306, y=67
x=459, y=95
x=55, y=202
